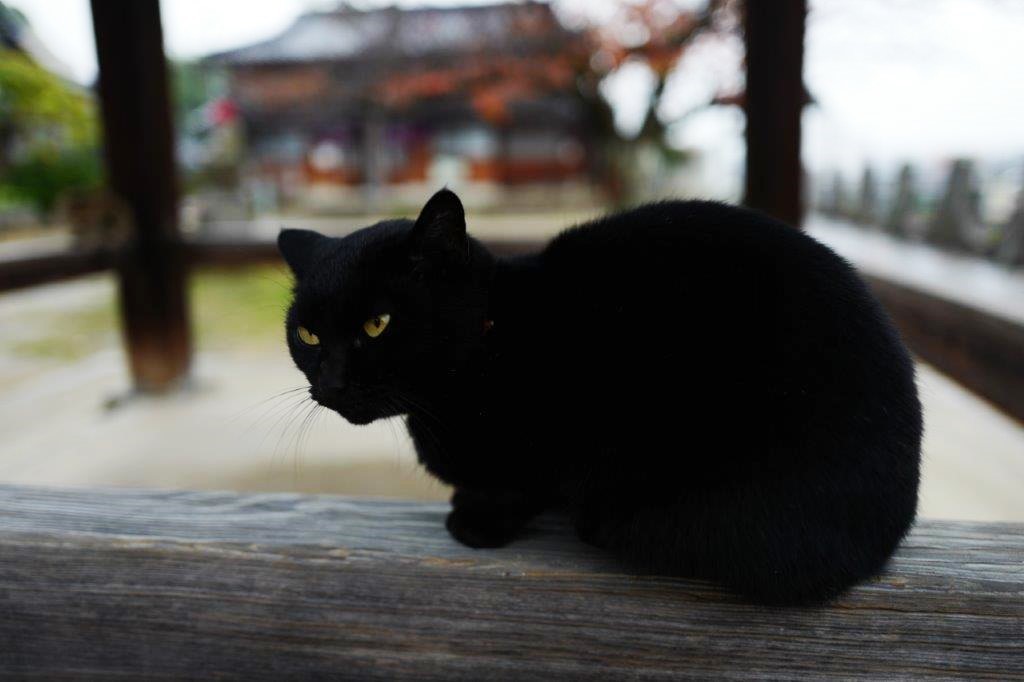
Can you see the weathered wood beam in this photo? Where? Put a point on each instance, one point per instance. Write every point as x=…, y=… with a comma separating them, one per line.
x=20, y=273
x=139, y=150
x=773, y=33
x=981, y=351
x=60, y=265
x=141, y=585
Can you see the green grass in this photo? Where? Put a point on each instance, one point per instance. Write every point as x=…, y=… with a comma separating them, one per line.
x=231, y=309
x=70, y=335
x=239, y=307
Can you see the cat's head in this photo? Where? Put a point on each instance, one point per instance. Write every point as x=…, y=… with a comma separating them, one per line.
x=385, y=317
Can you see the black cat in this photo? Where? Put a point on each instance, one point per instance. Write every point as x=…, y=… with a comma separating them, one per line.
x=709, y=392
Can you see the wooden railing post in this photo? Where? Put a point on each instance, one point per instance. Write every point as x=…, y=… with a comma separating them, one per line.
x=139, y=150
x=774, y=38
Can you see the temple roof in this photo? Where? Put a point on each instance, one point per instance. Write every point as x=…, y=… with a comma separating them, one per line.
x=352, y=34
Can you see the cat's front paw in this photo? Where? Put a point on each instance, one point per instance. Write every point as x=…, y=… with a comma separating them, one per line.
x=478, y=531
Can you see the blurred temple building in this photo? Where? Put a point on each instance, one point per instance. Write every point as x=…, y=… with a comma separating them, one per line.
x=353, y=109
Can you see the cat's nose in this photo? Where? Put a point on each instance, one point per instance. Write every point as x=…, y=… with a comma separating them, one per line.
x=332, y=375
x=332, y=384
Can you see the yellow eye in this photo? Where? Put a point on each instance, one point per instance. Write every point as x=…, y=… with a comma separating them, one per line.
x=375, y=326
x=307, y=337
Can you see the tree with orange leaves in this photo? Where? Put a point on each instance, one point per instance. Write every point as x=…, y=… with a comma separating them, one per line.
x=656, y=33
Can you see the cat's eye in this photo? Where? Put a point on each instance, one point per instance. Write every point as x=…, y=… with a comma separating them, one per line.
x=307, y=337
x=376, y=325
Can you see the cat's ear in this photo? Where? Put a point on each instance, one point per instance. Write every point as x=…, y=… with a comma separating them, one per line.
x=440, y=230
x=299, y=247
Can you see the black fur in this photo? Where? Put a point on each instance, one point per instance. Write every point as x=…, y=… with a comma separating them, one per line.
x=709, y=392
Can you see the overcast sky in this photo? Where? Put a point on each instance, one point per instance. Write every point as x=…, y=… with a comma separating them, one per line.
x=893, y=79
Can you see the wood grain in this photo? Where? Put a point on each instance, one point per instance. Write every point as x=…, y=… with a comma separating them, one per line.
x=127, y=584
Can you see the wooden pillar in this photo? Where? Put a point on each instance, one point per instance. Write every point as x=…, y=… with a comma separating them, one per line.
x=139, y=151
x=774, y=37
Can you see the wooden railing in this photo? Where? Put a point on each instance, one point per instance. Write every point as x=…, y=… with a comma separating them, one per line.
x=982, y=351
x=131, y=585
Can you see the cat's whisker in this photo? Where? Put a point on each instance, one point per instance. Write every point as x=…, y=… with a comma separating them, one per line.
x=276, y=396
x=274, y=416
x=279, y=413
x=317, y=416
x=392, y=406
x=283, y=419
x=299, y=423
x=300, y=438
x=272, y=413
x=292, y=432
x=394, y=430
x=294, y=413
x=307, y=427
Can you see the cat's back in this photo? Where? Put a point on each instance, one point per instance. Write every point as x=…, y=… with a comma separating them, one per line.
x=685, y=233
x=738, y=308
x=700, y=261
